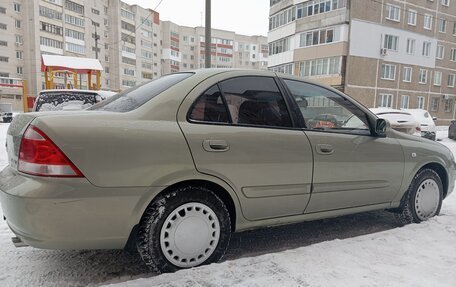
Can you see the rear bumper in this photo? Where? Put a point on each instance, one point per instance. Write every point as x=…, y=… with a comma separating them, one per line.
x=63, y=213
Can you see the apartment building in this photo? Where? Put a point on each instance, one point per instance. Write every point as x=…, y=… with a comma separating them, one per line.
x=183, y=49
x=384, y=53
x=131, y=42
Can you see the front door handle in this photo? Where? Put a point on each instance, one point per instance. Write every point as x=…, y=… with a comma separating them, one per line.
x=215, y=145
x=325, y=149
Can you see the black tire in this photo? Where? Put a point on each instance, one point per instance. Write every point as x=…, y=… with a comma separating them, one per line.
x=151, y=225
x=410, y=212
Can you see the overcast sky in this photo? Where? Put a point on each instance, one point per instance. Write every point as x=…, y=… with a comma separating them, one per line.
x=248, y=17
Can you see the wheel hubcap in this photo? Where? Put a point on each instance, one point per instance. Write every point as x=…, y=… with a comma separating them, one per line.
x=427, y=199
x=190, y=235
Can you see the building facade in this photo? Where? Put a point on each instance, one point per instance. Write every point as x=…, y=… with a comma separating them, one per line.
x=384, y=53
x=131, y=42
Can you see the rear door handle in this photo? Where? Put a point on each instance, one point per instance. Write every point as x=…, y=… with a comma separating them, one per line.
x=325, y=149
x=215, y=145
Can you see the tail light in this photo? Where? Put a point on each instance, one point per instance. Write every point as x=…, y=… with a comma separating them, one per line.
x=38, y=155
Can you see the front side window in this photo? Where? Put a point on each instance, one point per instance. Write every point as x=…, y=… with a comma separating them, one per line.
x=325, y=110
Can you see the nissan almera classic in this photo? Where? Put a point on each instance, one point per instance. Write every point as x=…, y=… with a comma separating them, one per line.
x=174, y=166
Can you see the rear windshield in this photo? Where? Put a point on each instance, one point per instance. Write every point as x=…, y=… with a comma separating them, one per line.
x=135, y=97
x=57, y=101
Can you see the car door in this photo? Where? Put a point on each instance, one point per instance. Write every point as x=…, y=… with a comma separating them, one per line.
x=352, y=168
x=240, y=130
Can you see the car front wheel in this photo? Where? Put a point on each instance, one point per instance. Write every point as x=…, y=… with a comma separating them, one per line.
x=184, y=228
x=423, y=199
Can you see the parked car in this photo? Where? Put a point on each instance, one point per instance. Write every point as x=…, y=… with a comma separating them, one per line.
x=60, y=99
x=428, y=128
x=172, y=167
x=400, y=120
x=6, y=112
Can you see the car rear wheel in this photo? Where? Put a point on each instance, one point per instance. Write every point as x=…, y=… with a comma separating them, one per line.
x=184, y=228
x=423, y=199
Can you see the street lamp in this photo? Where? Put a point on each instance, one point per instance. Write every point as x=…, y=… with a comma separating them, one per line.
x=208, y=35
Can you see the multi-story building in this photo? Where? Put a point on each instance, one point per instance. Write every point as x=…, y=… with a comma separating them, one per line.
x=385, y=53
x=183, y=49
x=131, y=43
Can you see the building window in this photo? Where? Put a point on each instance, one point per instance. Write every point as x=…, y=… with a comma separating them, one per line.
x=440, y=52
x=388, y=72
x=17, y=7
x=19, y=55
x=74, y=20
x=3, y=26
x=127, y=14
x=317, y=37
x=319, y=67
x=434, y=104
x=411, y=46
x=282, y=18
x=19, y=40
x=129, y=72
x=442, y=25
x=390, y=42
x=129, y=50
x=74, y=34
x=17, y=23
x=407, y=74
x=3, y=59
x=2, y=10
x=385, y=101
x=279, y=46
x=51, y=43
x=19, y=70
x=74, y=48
x=453, y=55
x=411, y=17
x=50, y=13
x=426, y=49
x=427, y=22
x=451, y=80
x=310, y=8
x=445, y=2
x=284, y=69
x=3, y=43
x=448, y=104
x=393, y=12
x=95, y=11
x=423, y=76
x=420, y=103
x=53, y=29
x=437, y=78
x=405, y=102
x=128, y=83
x=75, y=7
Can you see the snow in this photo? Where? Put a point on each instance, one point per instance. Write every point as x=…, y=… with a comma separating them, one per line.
x=358, y=250
x=72, y=63
x=70, y=105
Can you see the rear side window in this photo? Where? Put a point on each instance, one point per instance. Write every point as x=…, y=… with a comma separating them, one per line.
x=254, y=101
x=59, y=100
x=135, y=97
x=210, y=107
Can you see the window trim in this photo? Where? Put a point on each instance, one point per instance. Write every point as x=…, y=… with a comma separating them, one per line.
x=294, y=124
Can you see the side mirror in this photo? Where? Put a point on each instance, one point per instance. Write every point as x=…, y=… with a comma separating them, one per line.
x=380, y=128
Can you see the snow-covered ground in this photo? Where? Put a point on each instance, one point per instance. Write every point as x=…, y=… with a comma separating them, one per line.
x=357, y=250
